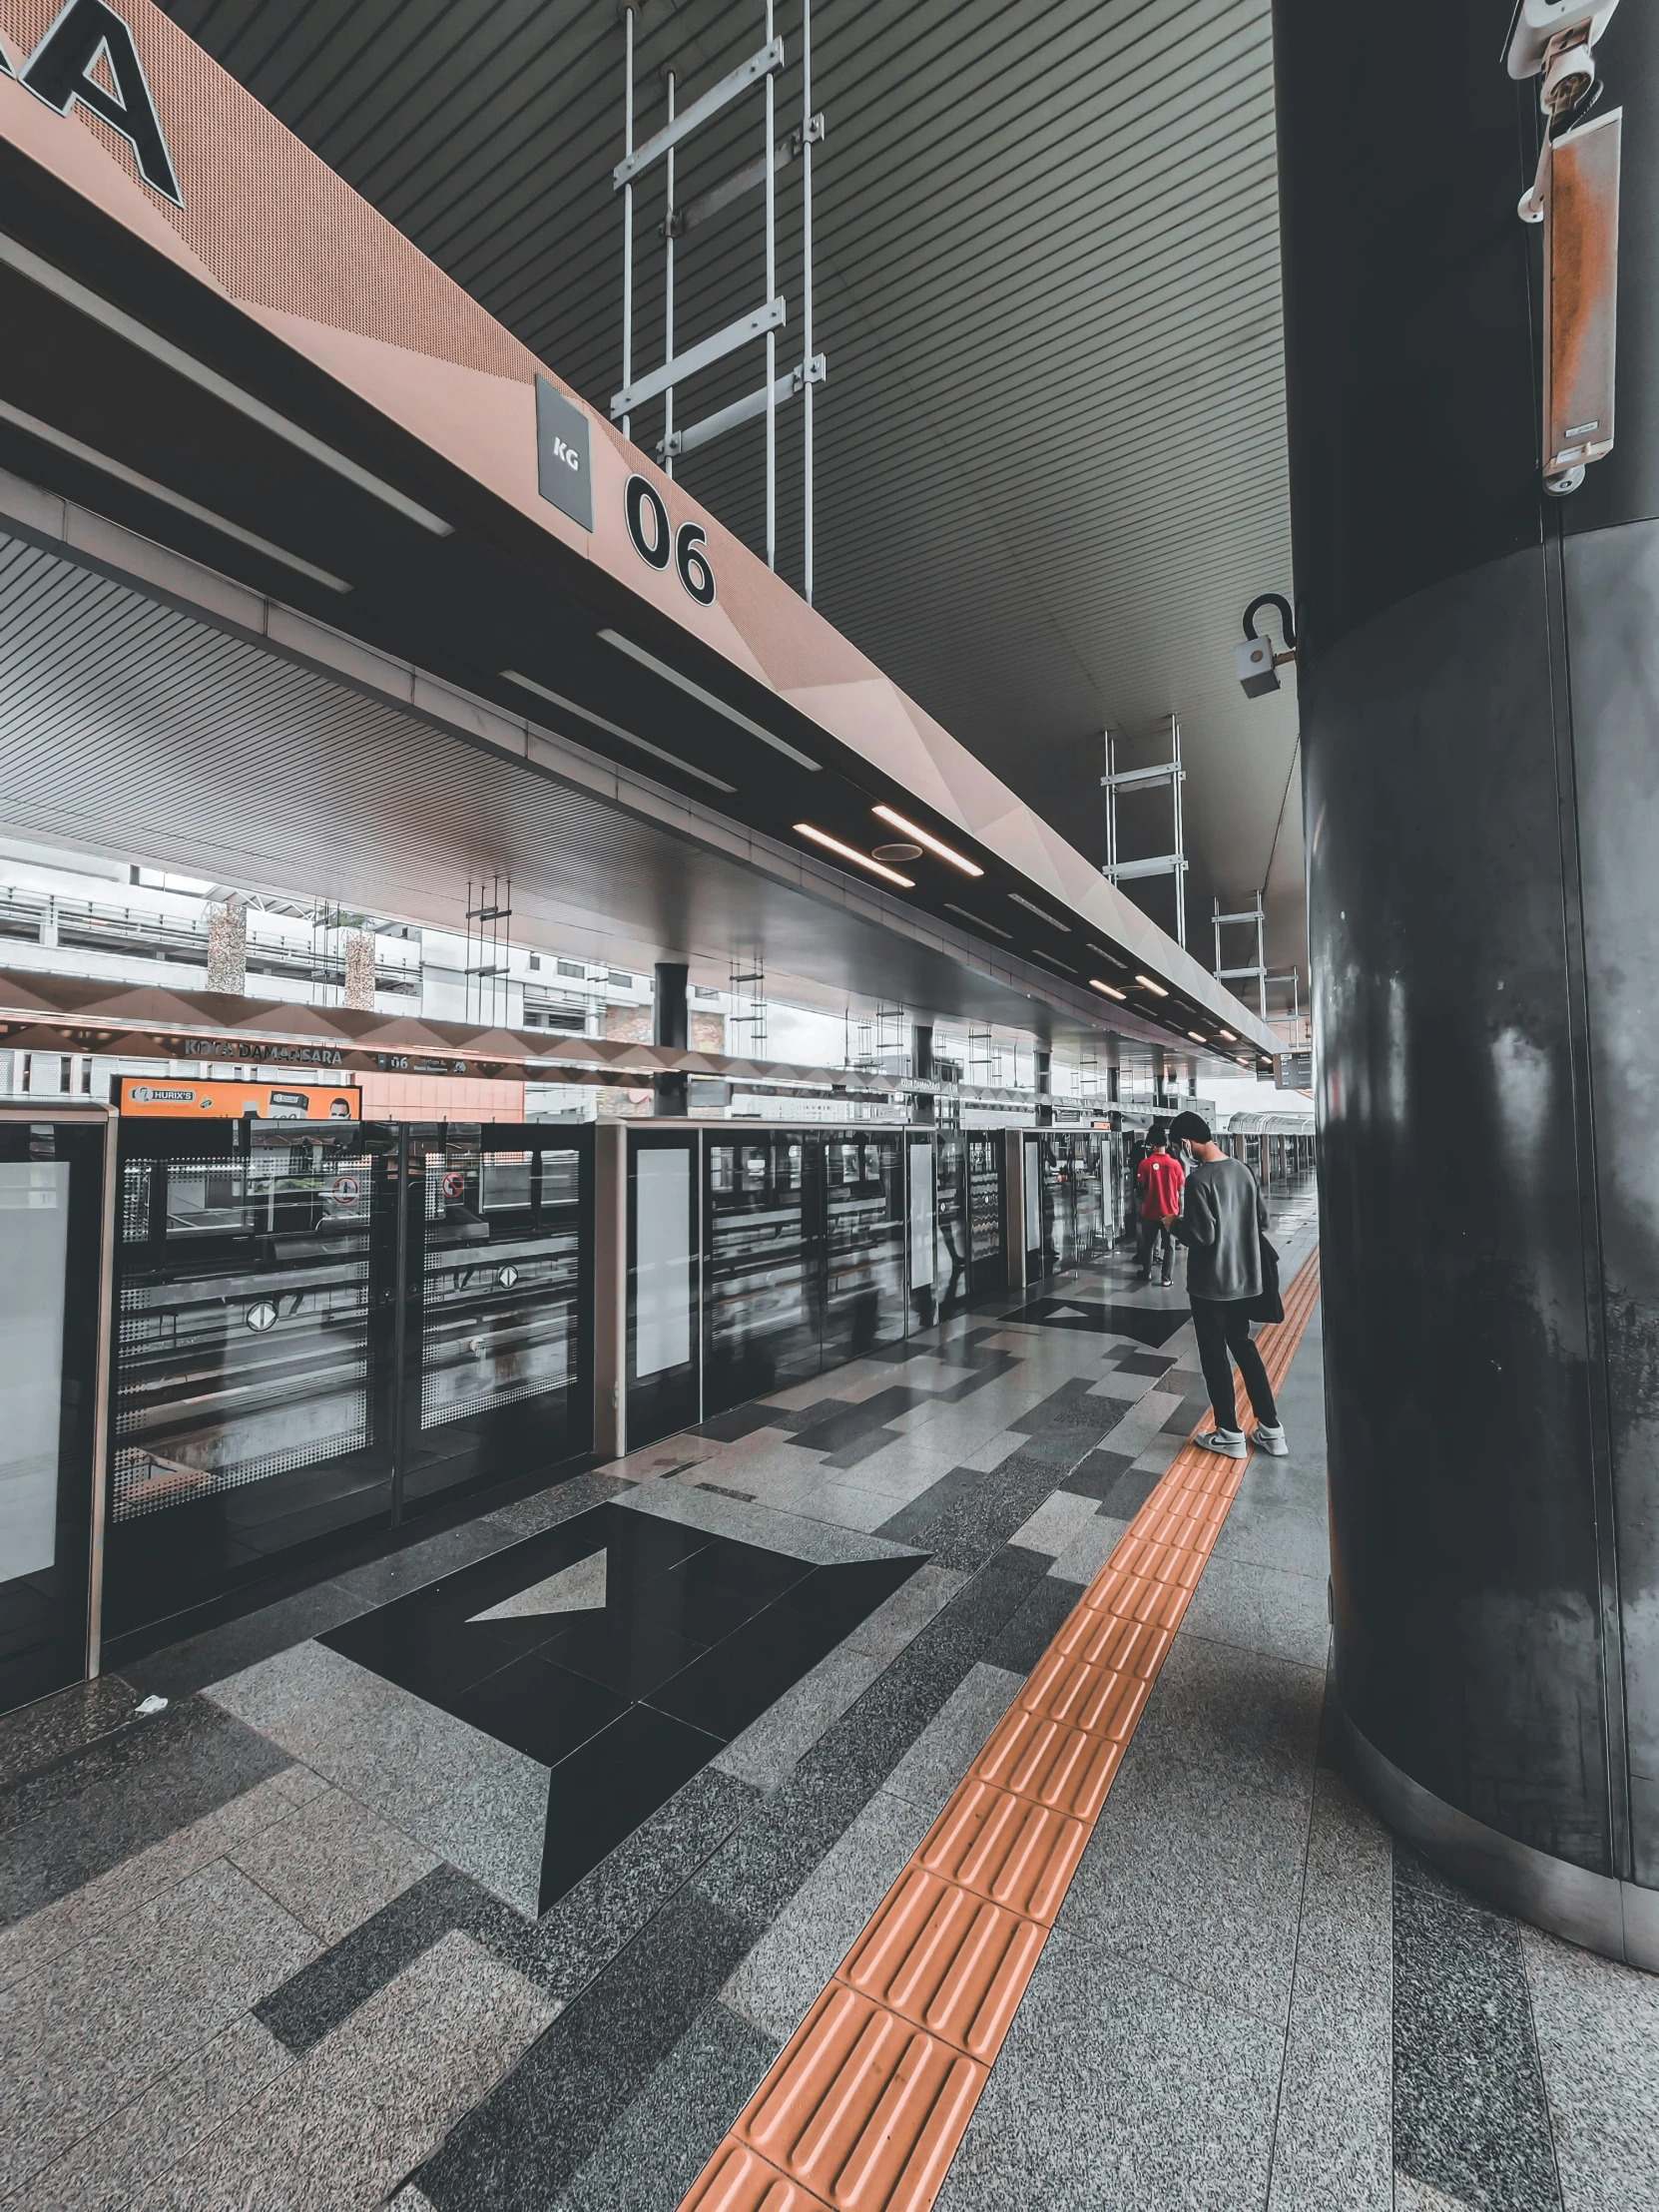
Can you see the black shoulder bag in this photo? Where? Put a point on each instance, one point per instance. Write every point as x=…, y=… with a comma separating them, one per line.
x=1269, y=1306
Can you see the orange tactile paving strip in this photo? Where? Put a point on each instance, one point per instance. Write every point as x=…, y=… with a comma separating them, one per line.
x=865, y=2107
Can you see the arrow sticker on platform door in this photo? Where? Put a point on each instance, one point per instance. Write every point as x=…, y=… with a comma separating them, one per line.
x=574, y=1589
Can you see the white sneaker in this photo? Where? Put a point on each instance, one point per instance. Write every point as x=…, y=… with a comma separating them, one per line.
x=1271, y=1441
x=1228, y=1443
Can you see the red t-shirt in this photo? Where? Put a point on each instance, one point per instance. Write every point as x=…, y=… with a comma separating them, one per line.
x=1160, y=1176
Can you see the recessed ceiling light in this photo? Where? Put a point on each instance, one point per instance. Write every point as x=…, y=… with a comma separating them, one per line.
x=1042, y=914
x=1052, y=962
x=1123, y=965
x=1157, y=989
x=951, y=907
x=1111, y=989
x=707, y=697
x=657, y=752
x=1197, y=1039
x=1228, y=1034
x=848, y=852
x=923, y=836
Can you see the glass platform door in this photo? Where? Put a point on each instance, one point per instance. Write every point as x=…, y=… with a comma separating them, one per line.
x=52, y=1239
x=863, y=1303
x=255, y=1298
x=663, y=1369
x=987, y=1263
x=764, y=1263
x=498, y=1284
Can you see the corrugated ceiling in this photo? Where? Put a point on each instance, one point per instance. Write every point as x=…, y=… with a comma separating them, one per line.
x=1051, y=462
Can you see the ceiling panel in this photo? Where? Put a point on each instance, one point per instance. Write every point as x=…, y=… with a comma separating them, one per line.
x=1050, y=465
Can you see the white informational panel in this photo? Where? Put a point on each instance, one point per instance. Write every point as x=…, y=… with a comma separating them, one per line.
x=922, y=1215
x=1033, y=1195
x=34, y=1250
x=663, y=1260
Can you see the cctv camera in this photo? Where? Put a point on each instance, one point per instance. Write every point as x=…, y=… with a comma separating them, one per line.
x=1252, y=657
x=1537, y=22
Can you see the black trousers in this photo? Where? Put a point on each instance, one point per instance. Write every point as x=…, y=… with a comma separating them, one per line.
x=1223, y=1330
x=1150, y=1237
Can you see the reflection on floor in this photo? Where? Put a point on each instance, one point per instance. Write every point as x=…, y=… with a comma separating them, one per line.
x=279, y=1944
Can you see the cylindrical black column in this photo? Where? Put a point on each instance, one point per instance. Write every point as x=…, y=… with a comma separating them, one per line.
x=671, y=1025
x=1480, y=693
x=922, y=1108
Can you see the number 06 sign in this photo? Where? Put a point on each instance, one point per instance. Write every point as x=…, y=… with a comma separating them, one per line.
x=657, y=544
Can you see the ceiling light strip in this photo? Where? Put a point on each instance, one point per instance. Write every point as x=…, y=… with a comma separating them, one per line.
x=615, y=730
x=124, y=325
x=1051, y=961
x=926, y=837
x=849, y=852
x=1157, y=989
x=1111, y=989
x=951, y=907
x=48, y=435
x=1042, y=915
x=706, y=698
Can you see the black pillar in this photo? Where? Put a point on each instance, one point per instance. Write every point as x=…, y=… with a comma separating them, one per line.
x=670, y=1025
x=1480, y=700
x=923, y=1107
x=1045, y=1088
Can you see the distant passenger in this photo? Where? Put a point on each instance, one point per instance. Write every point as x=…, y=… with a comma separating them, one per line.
x=1222, y=1226
x=1160, y=1176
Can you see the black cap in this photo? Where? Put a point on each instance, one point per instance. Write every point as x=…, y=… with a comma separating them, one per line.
x=1189, y=1129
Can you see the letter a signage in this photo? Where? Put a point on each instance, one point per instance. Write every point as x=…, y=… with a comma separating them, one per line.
x=88, y=56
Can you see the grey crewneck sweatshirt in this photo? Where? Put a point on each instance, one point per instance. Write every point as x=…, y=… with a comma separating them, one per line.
x=1223, y=1221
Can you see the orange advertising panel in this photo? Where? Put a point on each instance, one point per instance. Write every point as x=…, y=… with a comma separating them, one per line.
x=187, y=1097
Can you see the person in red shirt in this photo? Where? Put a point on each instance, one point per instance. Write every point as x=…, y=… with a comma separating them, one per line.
x=1160, y=1176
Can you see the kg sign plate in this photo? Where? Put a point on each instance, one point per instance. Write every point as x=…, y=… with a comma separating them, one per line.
x=563, y=463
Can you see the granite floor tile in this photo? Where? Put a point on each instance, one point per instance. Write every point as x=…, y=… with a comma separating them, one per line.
x=122, y=2164
x=1094, y=1543
x=271, y=1690
x=1418, y=2196
x=92, y=1912
x=1346, y=1933
x=843, y=1506
x=769, y=1747
x=1597, y=2027
x=966, y=1517
x=796, y=1536
x=1055, y=1522
x=331, y=1864
x=420, y=1565
x=1470, y=2116
x=1144, y=1420
x=1098, y=1473
x=1269, y=1533
x=1195, y=1867
x=122, y=1794
x=884, y=1633
x=519, y=2148
x=1262, y=1609
x=593, y=1923
x=1332, y=2139
x=41, y=1734
x=492, y=1826
x=782, y=1974
x=1033, y=1629
x=311, y=2004
x=776, y=1845
x=344, y=2125
x=98, y=2025
x=1120, y=2088
x=941, y=1754
x=533, y=1516
x=663, y=2138
x=239, y=1644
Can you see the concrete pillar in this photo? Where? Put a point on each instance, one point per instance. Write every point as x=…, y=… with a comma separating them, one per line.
x=228, y=945
x=1478, y=671
x=360, y=971
x=670, y=1025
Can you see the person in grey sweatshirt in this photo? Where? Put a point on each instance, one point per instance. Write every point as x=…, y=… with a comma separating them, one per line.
x=1222, y=1223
